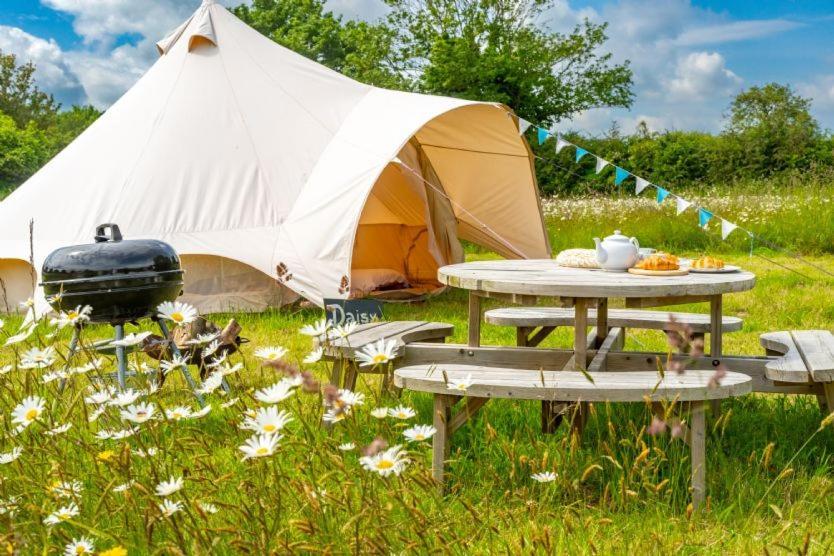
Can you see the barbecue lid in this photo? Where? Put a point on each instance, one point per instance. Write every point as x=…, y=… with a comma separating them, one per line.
x=110, y=256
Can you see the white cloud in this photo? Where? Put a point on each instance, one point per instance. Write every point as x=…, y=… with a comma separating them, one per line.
x=735, y=31
x=53, y=73
x=702, y=75
x=820, y=89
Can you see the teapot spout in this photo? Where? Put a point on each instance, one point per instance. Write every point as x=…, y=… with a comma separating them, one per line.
x=602, y=256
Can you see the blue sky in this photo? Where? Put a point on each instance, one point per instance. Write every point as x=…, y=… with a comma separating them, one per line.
x=689, y=56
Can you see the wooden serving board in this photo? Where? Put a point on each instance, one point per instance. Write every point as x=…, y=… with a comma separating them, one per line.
x=641, y=272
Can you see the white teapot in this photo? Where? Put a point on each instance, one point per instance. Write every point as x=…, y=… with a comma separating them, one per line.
x=617, y=253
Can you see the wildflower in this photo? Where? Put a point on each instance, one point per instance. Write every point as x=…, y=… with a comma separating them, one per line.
x=377, y=353
x=125, y=398
x=22, y=334
x=175, y=363
x=178, y=413
x=57, y=375
x=149, y=453
x=73, y=317
x=657, y=426
x=124, y=487
x=229, y=403
x=8, y=457
x=217, y=360
x=203, y=339
x=272, y=353
x=211, y=383
x=335, y=415
x=268, y=420
x=28, y=411
x=278, y=392
x=343, y=330
x=177, y=312
x=105, y=455
x=6, y=369
x=98, y=412
x=316, y=330
x=402, y=412
x=9, y=505
x=67, y=489
x=460, y=384
x=62, y=514
x=169, y=507
x=60, y=429
x=380, y=412
x=132, y=339
x=544, y=477
x=347, y=446
x=349, y=398
x=169, y=487
x=226, y=370
x=138, y=413
x=259, y=446
x=115, y=551
x=419, y=433
x=210, y=349
x=36, y=358
x=208, y=507
x=101, y=397
x=393, y=460
x=79, y=546
x=116, y=435
x=314, y=356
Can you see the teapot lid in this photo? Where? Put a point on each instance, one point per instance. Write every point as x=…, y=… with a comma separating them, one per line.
x=617, y=236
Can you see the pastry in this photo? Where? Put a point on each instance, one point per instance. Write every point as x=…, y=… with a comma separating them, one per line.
x=578, y=258
x=707, y=262
x=659, y=261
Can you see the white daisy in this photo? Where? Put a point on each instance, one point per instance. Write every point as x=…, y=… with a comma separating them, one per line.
x=347, y=446
x=62, y=514
x=317, y=329
x=402, y=412
x=61, y=429
x=79, y=315
x=544, y=476
x=334, y=415
x=202, y=413
x=211, y=383
x=208, y=507
x=314, y=355
x=210, y=349
x=177, y=312
x=67, y=489
x=227, y=370
x=460, y=384
x=278, y=392
x=217, y=360
x=84, y=545
x=36, y=358
x=271, y=353
x=124, y=487
x=149, y=453
x=120, y=434
x=229, y=403
x=260, y=445
x=178, y=413
x=377, y=353
x=176, y=362
x=125, y=398
x=343, y=330
x=268, y=420
x=393, y=460
x=169, y=507
x=6, y=369
x=169, y=487
x=138, y=413
x=350, y=398
x=101, y=397
x=203, y=339
x=53, y=376
x=28, y=411
x=22, y=334
x=380, y=412
x=98, y=412
x=132, y=339
x=8, y=457
x=87, y=367
x=418, y=433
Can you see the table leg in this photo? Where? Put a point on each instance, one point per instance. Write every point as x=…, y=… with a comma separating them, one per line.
x=474, y=319
x=440, y=441
x=580, y=360
x=698, y=450
x=716, y=326
x=602, y=322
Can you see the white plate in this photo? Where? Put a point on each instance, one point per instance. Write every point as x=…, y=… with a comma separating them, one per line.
x=727, y=268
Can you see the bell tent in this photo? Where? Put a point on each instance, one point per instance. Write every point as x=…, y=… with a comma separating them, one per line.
x=275, y=177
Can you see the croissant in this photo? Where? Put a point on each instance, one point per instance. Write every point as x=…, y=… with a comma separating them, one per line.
x=707, y=262
x=660, y=261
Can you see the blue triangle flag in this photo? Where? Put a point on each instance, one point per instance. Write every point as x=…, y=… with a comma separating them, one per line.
x=661, y=195
x=704, y=216
x=580, y=152
x=542, y=135
x=620, y=175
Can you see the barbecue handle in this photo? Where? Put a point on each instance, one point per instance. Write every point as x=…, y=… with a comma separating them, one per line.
x=115, y=233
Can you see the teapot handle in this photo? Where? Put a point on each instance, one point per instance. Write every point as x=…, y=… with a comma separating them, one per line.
x=635, y=243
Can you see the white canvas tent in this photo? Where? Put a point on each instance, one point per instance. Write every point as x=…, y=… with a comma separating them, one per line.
x=274, y=176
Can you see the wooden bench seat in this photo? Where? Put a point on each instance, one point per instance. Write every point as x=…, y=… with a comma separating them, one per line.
x=566, y=386
x=342, y=351
x=803, y=356
x=554, y=317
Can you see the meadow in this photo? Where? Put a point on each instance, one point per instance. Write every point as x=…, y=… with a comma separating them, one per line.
x=621, y=490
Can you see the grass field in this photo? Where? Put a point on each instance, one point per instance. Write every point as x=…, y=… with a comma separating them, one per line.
x=771, y=487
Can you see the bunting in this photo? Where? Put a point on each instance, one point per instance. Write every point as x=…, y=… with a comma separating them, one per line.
x=542, y=134
x=601, y=164
x=561, y=144
x=640, y=185
x=682, y=204
x=661, y=195
x=523, y=126
x=580, y=153
x=704, y=216
x=727, y=228
x=620, y=175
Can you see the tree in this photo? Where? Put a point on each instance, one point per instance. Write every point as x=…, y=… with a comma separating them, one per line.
x=20, y=98
x=69, y=124
x=494, y=50
x=22, y=152
x=774, y=127
x=356, y=49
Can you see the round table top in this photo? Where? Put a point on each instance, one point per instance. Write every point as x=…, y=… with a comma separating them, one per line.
x=544, y=277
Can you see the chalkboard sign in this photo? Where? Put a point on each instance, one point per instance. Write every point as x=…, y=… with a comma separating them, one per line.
x=360, y=311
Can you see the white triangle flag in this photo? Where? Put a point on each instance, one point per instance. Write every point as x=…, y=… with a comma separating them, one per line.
x=640, y=185
x=727, y=228
x=523, y=125
x=682, y=204
x=601, y=164
x=561, y=144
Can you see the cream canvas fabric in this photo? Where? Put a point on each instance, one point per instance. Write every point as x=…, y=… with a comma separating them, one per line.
x=247, y=157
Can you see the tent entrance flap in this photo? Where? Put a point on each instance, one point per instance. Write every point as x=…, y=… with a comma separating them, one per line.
x=406, y=232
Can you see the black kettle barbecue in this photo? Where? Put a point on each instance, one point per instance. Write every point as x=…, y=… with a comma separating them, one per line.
x=121, y=279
